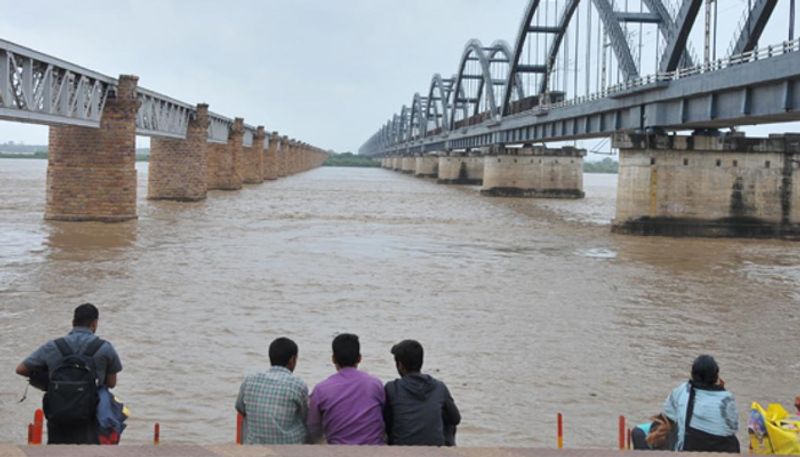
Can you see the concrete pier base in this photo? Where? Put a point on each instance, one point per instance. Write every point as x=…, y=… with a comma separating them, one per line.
x=408, y=164
x=460, y=168
x=709, y=186
x=426, y=166
x=534, y=172
x=397, y=163
x=91, y=172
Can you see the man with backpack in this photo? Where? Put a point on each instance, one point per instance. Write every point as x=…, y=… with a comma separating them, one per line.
x=71, y=370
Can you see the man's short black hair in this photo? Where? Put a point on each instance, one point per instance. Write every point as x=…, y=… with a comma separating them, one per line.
x=281, y=351
x=410, y=354
x=84, y=315
x=346, y=350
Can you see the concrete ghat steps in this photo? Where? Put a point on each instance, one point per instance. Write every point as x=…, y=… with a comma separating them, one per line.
x=300, y=451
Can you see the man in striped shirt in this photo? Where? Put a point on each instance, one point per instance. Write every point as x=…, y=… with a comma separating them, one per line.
x=275, y=402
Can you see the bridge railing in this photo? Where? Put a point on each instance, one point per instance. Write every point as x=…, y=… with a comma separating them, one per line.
x=719, y=64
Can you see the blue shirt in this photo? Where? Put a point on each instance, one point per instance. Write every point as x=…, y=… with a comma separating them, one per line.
x=714, y=412
x=106, y=360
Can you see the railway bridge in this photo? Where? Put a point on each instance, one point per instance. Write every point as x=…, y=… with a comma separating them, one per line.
x=93, y=121
x=625, y=71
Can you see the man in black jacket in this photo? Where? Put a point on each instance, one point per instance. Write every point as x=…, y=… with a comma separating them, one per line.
x=419, y=410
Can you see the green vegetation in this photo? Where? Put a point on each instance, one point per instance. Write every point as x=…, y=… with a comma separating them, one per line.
x=348, y=159
x=606, y=165
x=18, y=155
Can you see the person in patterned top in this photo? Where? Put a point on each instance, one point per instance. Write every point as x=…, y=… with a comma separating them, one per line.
x=274, y=403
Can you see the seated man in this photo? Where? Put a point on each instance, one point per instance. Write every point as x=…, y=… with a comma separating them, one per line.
x=275, y=403
x=347, y=406
x=419, y=410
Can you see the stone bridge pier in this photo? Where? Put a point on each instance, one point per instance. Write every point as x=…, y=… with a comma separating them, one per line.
x=709, y=185
x=224, y=160
x=271, y=158
x=177, y=169
x=283, y=151
x=534, y=172
x=91, y=172
x=461, y=168
x=253, y=159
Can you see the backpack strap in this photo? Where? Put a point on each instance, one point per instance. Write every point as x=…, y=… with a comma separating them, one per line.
x=93, y=347
x=690, y=406
x=63, y=347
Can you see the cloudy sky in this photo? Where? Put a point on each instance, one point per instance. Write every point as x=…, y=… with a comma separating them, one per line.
x=329, y=72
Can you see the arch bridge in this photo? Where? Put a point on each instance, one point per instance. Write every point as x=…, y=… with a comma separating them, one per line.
x=627, y=70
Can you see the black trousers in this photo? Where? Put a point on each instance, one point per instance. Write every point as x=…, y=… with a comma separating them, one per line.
x=71, y=433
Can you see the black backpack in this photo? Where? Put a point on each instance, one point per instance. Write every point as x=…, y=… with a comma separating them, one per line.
x=72, y=390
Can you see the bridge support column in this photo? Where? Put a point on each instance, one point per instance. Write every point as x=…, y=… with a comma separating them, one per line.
x=271, y=158
x=715, y=186
x=534, y=172
x=408, y=164
x=224, y=159
x=397, y=163
x=91, y=173
x=177, y=169
x=426, y=166
x=253, y=159
x=460, y=168
x=283, y=155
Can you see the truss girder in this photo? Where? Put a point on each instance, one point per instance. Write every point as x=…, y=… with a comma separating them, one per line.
x=679, y=34
x=753, y=26
x=219, y=128
x=161, y=116
x=611, y=25
x=440, y=92
x=37, y=88
x=249, y=136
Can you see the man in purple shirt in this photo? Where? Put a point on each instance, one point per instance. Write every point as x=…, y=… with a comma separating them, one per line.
x=348, y=406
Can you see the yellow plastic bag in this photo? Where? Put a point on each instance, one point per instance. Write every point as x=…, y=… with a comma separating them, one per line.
x=773, y=431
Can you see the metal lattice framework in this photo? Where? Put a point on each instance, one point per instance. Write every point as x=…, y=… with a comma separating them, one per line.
x=41, y=89
x=162, y=116
x=462, y=112
x=219, y=128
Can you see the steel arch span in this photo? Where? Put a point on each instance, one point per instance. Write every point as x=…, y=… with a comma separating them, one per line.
x=497, y=89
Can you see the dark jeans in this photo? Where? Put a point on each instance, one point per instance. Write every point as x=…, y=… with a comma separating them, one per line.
x=70, y=433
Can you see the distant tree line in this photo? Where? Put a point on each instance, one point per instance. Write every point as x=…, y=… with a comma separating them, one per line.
x=348, y=159
x=607, y=165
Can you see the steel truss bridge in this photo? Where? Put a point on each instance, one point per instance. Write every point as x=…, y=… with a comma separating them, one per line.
x=40, y=89
x=585, y=69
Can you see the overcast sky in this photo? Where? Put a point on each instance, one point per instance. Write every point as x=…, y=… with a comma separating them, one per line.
x=329, y=72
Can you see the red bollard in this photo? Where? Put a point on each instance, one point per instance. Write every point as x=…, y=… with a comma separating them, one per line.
x=560, y=431
x=38, y=426
x=156, y=434
x=621, y=433
x=30, y=434
x=239, y=428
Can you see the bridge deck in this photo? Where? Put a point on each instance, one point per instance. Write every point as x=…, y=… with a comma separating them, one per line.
x=297, y=451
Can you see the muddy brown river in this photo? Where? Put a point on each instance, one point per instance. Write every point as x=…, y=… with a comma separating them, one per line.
x=526, y=308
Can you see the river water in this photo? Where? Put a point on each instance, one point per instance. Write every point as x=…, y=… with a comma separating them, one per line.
x=525, y=307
